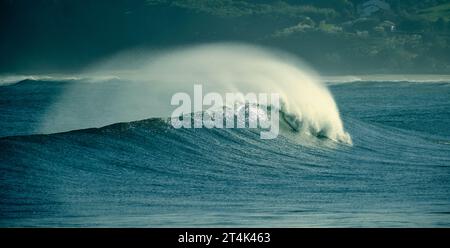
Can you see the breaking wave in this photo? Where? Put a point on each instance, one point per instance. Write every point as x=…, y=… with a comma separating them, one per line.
x=147, y=87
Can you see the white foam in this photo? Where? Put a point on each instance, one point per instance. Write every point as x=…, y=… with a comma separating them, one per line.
x=415, y=78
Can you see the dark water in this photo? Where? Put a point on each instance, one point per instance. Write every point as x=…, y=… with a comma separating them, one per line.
x=145, y=173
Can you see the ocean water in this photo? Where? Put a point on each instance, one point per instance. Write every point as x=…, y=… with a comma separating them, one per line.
x=145, y=173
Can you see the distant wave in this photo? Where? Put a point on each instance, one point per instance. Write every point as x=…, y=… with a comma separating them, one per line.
x=14, y=79
x=330, y=80
x=430, y=78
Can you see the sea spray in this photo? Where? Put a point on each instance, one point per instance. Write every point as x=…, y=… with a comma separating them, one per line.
x=145, y=90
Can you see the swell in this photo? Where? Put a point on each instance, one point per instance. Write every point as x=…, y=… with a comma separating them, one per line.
x=368, y=136
x=146, y=173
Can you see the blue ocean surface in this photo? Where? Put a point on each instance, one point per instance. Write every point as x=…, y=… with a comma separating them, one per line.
x=145, y=173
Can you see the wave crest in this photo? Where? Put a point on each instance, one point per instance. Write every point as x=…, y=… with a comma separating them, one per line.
x=221, y=68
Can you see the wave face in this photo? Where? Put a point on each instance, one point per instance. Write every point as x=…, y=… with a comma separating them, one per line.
x=146, y=90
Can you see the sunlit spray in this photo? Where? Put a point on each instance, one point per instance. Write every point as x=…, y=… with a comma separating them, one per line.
x=149, y=80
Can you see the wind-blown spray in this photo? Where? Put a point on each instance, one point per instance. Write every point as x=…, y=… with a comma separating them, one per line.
x=307, y=105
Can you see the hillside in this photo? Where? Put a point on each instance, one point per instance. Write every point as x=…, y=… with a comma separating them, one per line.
x=335, y=37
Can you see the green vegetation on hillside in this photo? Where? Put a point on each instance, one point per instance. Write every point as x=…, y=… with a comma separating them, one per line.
x=408, y=36
x=436, y=12
x=334, y=36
